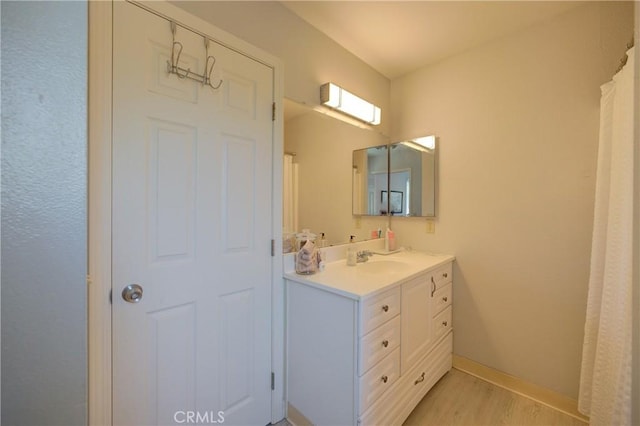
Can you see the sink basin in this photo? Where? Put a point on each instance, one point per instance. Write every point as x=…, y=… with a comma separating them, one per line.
x=382, y=266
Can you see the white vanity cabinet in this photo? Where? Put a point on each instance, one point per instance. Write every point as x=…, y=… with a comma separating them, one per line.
x=368, y=356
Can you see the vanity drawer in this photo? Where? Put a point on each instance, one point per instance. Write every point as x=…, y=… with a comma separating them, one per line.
x=441, y=276
x=394, y=407
x=442, y=298
x=442, y=323
x=380, y=378
x=379, y=309
x=378, y=344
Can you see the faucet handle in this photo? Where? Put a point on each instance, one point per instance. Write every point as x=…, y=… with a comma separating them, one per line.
x=363, y=255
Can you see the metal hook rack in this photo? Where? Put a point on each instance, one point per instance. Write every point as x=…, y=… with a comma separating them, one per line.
x=174, y=68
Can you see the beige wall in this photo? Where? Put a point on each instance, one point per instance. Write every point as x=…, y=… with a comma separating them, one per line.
x=310, y=57
x=517, y=121
x=635, y=396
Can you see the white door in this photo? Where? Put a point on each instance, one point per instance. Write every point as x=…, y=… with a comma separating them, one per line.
x=192, y=218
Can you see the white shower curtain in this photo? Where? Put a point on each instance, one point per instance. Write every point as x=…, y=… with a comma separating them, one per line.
x=290, y=195
x=605, y=382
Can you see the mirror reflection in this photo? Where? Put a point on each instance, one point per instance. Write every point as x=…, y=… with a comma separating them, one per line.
x=398, y=180
x=412, y=177
x=317, y=187
x=370, y=181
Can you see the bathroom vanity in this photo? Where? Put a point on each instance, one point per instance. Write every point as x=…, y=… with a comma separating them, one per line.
x=366, y=343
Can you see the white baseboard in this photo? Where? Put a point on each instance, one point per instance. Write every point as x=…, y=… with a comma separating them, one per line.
x=296, y=418
x=529, y=390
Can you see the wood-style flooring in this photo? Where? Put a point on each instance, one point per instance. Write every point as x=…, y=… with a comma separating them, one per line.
x=460, y=399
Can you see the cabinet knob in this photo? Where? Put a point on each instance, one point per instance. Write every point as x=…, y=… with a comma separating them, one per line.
x=445, y=275
x=445, y=323
x=384, y=379
x=420, y=379
x=444, y=299
x=385, y=343
x=385, y=308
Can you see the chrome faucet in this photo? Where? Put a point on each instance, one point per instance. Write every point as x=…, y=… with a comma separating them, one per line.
x=363, y=256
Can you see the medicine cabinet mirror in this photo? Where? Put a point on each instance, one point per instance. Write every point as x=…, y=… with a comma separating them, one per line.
x=398, y=180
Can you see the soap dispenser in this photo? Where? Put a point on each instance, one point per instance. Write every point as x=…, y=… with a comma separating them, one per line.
x=352, y=255
x=321, y=254
x=323, y=241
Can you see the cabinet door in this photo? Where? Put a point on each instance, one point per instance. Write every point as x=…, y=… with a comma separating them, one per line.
x=416, y=318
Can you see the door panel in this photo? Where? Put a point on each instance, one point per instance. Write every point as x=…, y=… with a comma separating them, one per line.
x=415, y=328
x=239, y=183
x=172, y=179
x=192, y=215
x=174, y=372
x=236, y=325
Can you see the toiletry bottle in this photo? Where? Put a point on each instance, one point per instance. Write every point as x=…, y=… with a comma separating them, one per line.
x=391, y=236
x=323, y=242
x=320, y=252
x=321, y=263
x=386, y=240
x=351, y=253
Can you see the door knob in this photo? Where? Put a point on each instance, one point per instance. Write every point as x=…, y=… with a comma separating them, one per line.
x=132, y=293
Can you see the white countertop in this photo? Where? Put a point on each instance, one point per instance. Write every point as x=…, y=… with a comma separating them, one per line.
x=367, y=279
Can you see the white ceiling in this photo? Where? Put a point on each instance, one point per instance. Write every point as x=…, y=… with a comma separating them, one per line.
x=397, y=37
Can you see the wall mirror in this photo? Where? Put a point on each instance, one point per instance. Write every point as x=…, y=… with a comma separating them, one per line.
x=318, y=176
x=398, y=180
x=370, y=181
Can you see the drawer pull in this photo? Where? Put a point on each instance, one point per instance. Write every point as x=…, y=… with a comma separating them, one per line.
x=385, y=308
x=421, y=379
x=384, y=379
x=385, y=343
x=444, y=299
x=445, y=323
x=445, y=275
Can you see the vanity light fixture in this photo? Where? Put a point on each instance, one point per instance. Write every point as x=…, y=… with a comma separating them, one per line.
x=346, y=102
x=424, y=144
x=428, y=142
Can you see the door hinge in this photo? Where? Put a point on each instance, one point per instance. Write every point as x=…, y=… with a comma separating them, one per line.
x=273, y=111
x=273, y=248
x=273, y=381
x=111, y=297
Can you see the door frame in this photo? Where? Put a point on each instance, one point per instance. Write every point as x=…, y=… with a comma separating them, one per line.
x=99, y=198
